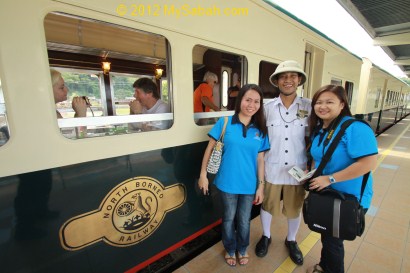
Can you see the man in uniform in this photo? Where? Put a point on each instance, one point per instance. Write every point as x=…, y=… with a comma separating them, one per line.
x=287, y=121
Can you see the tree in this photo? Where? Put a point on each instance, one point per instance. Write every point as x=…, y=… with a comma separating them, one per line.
x=81, y=84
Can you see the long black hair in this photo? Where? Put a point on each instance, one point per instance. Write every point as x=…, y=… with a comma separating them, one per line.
x=259, y=117
x=340, y=92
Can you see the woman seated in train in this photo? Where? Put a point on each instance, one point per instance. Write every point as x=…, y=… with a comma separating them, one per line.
x=60, y=91
x=354, y=156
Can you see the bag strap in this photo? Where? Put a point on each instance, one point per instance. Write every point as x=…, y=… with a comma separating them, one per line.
x=221, y=138
x=332, y=148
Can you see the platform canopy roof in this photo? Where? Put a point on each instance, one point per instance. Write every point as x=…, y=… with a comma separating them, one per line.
x=388, y=23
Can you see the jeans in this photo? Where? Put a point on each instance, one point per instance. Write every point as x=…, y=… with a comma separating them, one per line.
x=332, y=256
x=236, y=209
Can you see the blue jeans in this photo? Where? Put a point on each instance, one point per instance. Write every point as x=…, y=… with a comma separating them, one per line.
x=236, y=209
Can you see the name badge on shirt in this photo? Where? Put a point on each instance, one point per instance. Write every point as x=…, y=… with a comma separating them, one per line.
x=302, y=114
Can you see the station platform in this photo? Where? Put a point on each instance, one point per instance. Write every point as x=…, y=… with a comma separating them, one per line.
x=383, y=248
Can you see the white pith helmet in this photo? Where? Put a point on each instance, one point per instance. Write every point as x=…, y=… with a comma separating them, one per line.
x=288, y=66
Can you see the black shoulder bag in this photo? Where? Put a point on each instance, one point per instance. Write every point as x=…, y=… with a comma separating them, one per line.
x=332, y=212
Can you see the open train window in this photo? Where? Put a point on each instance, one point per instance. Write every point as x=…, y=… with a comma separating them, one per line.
x=213, y=70
x=336, y=81
x=266, y=69
x=4, y=128
x=114, y=79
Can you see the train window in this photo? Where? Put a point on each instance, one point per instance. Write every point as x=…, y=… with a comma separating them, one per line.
x=123, y=93
x=212, y=72
x=265, y=71
x=378, y=95
x=336, y=81
x=388, y=97
x=130, y=94
x=4, y=128
x=225, y=85
x=349, y=91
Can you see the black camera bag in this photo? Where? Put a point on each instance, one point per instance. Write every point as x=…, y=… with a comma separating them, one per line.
x=330, y=211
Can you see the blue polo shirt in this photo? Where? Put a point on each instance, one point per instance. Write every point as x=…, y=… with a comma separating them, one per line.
x=238, y=171
x=358, y=141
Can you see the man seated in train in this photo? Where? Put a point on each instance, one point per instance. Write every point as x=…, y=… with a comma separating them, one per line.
x=147, y=101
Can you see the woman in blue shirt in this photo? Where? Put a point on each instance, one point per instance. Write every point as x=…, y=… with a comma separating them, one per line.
x=354, y=156
x=240, y=179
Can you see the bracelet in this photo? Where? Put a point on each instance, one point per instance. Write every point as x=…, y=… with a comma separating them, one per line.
x=261, y=182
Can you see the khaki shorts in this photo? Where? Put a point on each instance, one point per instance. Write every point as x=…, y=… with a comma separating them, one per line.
x=293, y=196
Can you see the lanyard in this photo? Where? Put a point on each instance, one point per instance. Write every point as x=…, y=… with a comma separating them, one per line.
x=331, y=129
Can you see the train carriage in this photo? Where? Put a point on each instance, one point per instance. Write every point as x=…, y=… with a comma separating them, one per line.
x=93, y=195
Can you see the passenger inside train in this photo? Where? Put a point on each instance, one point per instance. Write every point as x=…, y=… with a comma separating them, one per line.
x=60, y=91
x=233, y=92
x=148, y=101
x=203, y=94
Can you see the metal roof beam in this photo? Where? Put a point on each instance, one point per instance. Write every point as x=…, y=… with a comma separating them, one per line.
x=403, y=61
x=390, y=40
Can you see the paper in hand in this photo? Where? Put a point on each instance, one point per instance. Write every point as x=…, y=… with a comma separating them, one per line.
x=299, y=174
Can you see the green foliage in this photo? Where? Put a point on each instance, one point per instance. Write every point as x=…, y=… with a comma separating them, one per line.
x=123, y=86
x=81, y=85
x=165, y=93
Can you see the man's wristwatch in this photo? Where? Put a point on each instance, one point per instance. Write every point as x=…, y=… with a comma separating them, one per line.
x=332, y=179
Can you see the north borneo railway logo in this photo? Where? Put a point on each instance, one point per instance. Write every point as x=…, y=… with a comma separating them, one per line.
x=129, y=213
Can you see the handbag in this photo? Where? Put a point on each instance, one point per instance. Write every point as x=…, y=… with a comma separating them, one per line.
x=216, y=155
x=332, y=212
